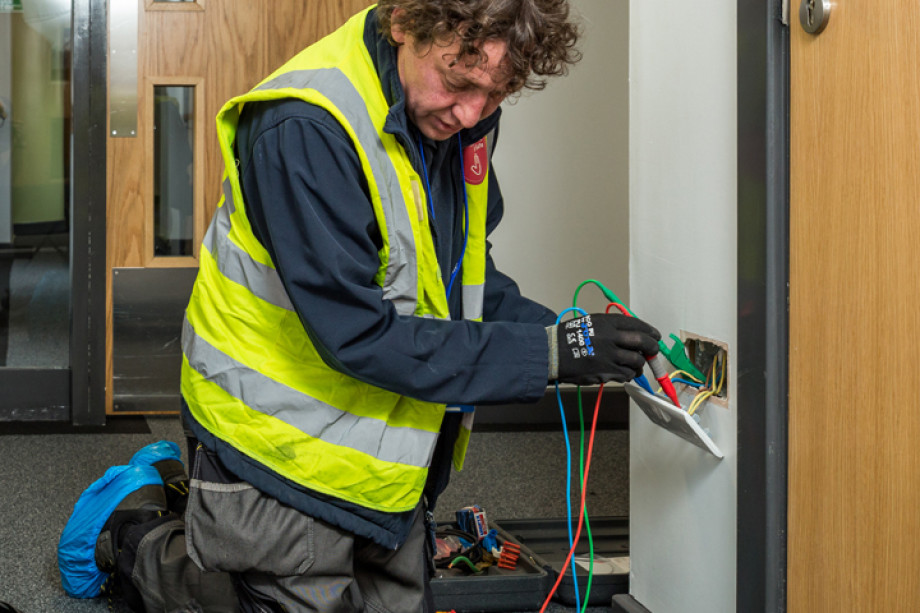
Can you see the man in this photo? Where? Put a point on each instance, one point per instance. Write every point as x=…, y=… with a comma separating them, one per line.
x=346, y=294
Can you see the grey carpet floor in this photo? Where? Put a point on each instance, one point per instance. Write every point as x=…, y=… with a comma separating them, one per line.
x=510, y=475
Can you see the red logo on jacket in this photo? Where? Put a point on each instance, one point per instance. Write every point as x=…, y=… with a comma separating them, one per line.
x=475, y=162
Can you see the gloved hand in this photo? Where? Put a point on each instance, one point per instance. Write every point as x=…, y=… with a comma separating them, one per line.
x=600, y=347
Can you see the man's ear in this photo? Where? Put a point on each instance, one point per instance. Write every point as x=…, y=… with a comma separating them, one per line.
x=396, y=30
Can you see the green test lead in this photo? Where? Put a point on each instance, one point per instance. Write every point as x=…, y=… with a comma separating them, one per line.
x=608, y=294
x=677, y=355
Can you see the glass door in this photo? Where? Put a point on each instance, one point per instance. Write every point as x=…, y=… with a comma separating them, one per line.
x=36, y=124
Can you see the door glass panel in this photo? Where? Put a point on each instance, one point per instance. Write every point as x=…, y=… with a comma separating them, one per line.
x=173, y=189
x=35, y=161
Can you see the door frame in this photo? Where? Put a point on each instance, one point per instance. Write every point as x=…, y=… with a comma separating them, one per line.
x=77, y=394
x=763, y=313
x=90, y=70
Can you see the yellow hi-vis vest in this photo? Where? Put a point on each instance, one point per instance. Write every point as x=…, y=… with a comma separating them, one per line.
x=251, y=375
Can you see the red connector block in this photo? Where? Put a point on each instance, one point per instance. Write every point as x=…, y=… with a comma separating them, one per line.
x=509, y=556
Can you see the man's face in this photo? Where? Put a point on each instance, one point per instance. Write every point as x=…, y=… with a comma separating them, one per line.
x=446, y=93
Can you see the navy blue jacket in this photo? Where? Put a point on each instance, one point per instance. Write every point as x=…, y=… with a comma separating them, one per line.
x=308, y=203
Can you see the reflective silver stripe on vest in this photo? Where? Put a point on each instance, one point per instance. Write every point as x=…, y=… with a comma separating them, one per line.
x=472, y=301
x=228, y=195
x=236, y=264
x=401, y=279
x=309, y=415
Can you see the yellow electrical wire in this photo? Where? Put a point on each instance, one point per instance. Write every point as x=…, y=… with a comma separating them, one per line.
x=677, y=373
x=698, y=400
x=721, y=375
x=684, y=372
x=717, y=369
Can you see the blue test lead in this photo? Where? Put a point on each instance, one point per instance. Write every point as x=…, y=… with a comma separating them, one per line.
x=568, y=465
x=644, y=384
x=568, y=487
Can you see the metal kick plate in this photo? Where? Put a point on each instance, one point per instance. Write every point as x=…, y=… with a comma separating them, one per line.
x=148, y=307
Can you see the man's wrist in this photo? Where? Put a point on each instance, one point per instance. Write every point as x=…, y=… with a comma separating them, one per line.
x=553, y=353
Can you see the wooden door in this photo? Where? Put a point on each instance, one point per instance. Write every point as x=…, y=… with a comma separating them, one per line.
x=209, y=51
x=854, y=407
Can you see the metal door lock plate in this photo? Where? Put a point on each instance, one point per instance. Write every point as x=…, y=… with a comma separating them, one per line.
x=814, y=15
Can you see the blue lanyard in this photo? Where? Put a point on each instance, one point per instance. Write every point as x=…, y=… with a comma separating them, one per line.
x=466, y=207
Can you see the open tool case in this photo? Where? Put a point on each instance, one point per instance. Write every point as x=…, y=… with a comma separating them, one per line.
x=548, y=539
x=521, y=589
x=544, y=546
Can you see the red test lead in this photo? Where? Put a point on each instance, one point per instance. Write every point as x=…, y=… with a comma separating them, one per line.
x=661, y=375
x=656, y=362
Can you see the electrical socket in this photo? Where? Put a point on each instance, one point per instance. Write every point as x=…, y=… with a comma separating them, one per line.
x=702, y=351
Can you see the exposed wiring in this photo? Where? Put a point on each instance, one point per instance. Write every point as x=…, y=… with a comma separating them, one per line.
x=720, y=359
x=695, y=384
x=713, y=387
x=709, y=388
x=698, y=400
x=677, y=373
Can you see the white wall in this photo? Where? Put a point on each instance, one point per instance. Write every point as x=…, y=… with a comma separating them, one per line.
x=6, y=85
x=562, y=161
x=683, y=199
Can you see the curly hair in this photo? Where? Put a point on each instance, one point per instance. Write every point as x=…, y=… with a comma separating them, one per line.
x=539, y=34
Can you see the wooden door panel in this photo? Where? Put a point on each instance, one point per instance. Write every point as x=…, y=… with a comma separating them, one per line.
x=854, y=414
x=293, y=26
x=175, y=42
x=223, y=48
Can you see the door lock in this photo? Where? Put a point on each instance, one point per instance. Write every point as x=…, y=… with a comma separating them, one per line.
x=814, y=14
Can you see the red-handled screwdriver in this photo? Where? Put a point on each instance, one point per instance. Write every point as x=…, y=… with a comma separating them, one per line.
x=656, y=362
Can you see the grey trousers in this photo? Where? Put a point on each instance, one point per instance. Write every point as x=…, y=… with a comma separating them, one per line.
x=156, y=563
x=240, y=550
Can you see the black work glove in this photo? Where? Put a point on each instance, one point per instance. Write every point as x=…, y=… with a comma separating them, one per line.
x=600, y=347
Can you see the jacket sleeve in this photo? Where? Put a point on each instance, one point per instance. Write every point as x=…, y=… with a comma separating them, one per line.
x=306, y=197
